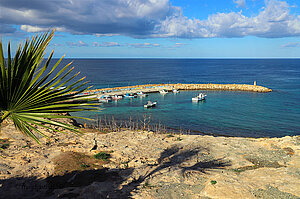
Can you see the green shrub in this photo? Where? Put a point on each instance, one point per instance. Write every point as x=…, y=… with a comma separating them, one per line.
x=4, y=146
x=213, y=182
x=102, y=156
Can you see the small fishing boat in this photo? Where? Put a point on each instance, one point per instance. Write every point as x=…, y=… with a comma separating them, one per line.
x=117, y=97
x=175, y=91
x=141, y=94
x=150, y=104
x=130, y=95
x=105, y=98
x=200, y=97
x=164, y=91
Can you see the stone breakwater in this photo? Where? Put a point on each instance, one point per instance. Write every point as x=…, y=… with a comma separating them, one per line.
x=148, y=88
x=234, y=87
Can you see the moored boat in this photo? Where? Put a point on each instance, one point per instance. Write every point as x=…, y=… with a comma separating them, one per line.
x=117, y=97
x=175, y=91
x=164, y=91
x=200, y=97
x=141, y=94
x=130, y=95
x=105, y=98
x=150, y=104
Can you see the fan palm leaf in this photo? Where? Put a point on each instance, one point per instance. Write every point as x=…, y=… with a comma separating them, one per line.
x=32, y=97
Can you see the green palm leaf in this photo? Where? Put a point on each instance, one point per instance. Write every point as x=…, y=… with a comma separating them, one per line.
x=30, y=98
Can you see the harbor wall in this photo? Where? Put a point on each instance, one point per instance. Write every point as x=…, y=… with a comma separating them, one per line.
x=156, y=87
x=233, y=87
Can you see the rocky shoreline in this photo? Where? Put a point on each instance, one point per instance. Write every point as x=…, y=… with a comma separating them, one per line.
x=148, y=165
x=149, y=88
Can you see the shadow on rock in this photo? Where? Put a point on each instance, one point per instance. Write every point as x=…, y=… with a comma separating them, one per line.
x=108, y=183
x=92, y=184
x=207, y=165
x=174, y=158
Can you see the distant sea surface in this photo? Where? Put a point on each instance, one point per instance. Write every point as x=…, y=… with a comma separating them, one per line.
x=231, y=113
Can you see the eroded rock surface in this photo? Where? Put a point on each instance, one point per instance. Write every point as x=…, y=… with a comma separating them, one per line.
x=149, y=165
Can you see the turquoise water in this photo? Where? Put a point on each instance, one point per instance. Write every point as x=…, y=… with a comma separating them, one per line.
x=230, y=113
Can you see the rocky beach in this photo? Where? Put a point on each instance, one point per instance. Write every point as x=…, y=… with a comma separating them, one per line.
x=140, y=164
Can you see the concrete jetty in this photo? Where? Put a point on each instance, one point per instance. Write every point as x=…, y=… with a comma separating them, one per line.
x=152, y=88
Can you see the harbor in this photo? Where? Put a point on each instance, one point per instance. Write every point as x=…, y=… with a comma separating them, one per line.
x=155, y=88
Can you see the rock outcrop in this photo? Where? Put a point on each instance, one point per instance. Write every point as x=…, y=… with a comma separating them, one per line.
x=150, y=165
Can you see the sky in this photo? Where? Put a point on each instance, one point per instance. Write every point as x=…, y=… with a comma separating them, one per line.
x=157, y=28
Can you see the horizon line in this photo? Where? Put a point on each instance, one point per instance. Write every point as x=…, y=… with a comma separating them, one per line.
x=178, y=57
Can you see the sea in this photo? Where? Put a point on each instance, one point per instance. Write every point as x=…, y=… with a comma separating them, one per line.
x=229, y=113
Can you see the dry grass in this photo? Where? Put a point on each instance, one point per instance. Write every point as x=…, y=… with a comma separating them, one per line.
x=68, y=162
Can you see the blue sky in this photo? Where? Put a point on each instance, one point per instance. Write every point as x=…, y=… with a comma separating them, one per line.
x=158, y=28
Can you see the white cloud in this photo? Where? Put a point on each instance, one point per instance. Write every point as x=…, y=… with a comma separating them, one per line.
x=110, y=17
x=291, y=45
x=106, y=35
x=146, y=18
x=116, y=44
x=106, y=44
x=179, y=44
x=274, y=20
x=78, y=44
x=55, y=44
x=240, y=3
x=29, y=28
x=143, y=45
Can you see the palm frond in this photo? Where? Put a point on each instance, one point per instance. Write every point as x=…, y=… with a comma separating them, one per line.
x=30, y=98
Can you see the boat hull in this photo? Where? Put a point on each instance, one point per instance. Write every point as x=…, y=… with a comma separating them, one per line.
x=150, y=105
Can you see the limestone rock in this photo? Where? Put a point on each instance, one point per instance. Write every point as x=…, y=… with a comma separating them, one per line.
x=150, y=165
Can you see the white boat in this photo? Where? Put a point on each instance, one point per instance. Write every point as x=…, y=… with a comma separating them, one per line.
x=130, y=95
x=117, y=97
x=200, y=97
x=150, y=104
x=105, y=98
x=163, y=91
x=175, y=91
x=141, y=94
